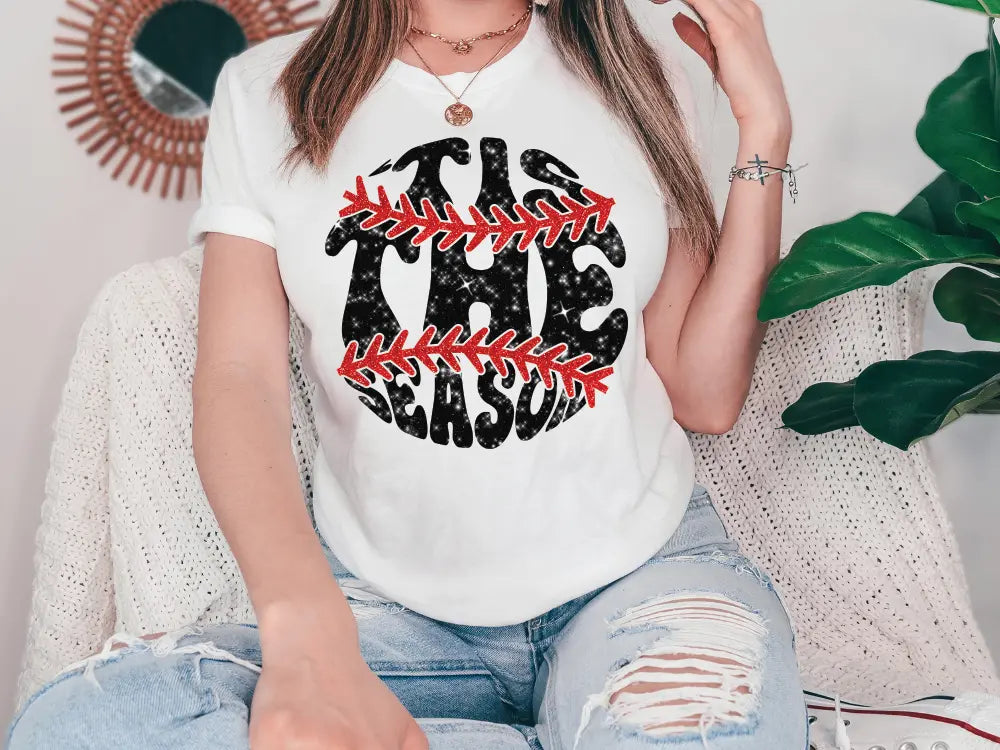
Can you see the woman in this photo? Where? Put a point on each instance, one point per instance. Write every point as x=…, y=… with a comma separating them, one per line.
x=468, y=204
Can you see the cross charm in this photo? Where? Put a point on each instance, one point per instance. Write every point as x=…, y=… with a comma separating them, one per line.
x=756, y=162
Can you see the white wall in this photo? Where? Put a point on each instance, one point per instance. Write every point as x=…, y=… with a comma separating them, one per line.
x=857, y=72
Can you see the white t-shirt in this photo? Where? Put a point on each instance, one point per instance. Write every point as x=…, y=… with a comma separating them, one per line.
x=493, y=440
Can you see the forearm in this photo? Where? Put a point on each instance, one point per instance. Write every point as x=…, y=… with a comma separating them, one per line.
x=243, y=452
x=721, y=336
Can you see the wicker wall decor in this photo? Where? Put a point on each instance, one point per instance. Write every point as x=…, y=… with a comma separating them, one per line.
x=137, y=76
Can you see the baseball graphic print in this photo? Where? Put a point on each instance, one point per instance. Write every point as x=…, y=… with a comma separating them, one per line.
x=530, y=380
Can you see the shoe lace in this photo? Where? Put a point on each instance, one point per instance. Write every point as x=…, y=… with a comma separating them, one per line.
x=843, y=741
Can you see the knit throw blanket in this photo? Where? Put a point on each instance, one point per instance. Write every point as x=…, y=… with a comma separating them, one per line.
x=851, y=530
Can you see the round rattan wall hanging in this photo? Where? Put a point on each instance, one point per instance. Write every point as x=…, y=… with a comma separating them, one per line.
x=140, y=76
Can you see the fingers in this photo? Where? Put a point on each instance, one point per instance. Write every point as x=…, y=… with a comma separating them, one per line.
x=694, y=37
x=720, y=14
x=714, y=12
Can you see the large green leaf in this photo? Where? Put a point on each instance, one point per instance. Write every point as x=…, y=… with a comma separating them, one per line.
x=994, y=46
x=980, y=219
x=949, y=206
x=903, y=401
x=934, y=208
x=867, y=249
x=985, y=6
x=983, y=215
x=966, y=296
x=822, y=407
x=958, y=130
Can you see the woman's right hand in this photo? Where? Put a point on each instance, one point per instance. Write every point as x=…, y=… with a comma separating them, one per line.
x=315, y=690
x=316, y=695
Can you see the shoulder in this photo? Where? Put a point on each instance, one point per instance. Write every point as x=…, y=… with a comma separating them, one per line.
x=246, y=99
x=256, y=68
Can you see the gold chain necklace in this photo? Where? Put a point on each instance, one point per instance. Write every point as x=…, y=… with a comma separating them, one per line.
x=459, y=113
x=464, y=46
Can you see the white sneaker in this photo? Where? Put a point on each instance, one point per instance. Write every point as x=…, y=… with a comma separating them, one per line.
x=968, y=721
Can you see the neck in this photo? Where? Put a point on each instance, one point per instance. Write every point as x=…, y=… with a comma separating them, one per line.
x=465, y=18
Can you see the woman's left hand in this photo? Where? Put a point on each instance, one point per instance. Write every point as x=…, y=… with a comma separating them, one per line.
x=746, y=71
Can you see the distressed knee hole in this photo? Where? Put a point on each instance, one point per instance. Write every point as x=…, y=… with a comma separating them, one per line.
x=705, y=671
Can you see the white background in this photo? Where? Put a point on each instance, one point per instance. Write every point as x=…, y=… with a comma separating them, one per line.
x=857, y=73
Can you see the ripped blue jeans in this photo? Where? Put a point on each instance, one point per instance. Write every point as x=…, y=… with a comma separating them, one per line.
x=691, y=650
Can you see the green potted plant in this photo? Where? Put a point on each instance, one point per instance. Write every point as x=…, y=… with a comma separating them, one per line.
x=954, y=220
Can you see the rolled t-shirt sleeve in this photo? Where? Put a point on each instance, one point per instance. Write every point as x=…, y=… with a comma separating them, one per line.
x=230, y=201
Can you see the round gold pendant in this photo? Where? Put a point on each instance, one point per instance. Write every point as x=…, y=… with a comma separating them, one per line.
x=462, y=47
x=458, y=114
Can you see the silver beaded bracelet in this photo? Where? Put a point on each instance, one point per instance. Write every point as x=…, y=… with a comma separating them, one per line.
x=759, y=170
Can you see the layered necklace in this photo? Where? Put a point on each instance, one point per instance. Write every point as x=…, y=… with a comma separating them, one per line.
x=464, y=46
x=459, y=113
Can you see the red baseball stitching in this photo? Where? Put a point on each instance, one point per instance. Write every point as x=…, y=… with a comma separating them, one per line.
x=551, y=222
x=500, y=351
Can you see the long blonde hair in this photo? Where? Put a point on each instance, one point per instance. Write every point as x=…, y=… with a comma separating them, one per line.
x=332, y=71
